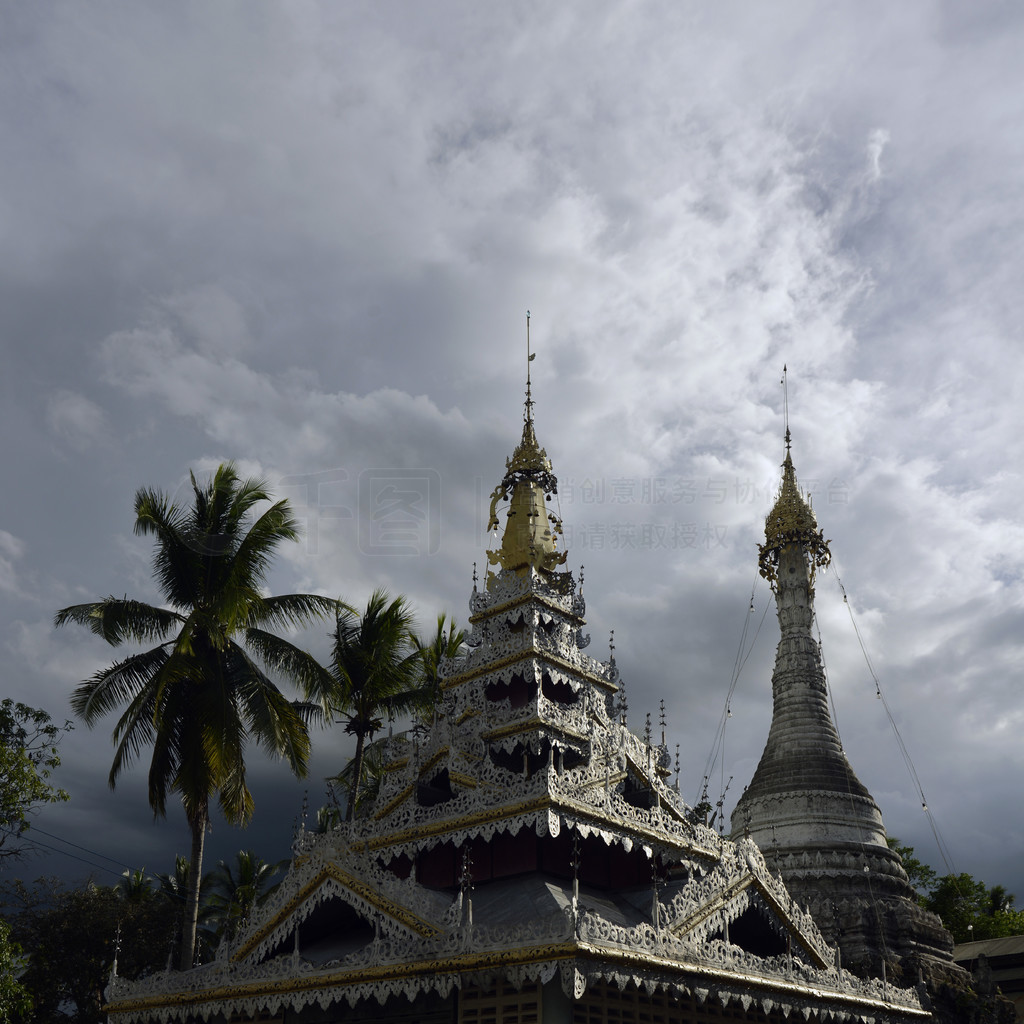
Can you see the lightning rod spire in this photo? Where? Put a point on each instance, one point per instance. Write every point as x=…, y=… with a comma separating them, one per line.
x=529, y=359
x=785, y=397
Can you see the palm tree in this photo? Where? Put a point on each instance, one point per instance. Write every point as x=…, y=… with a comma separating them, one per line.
x=198, y=695
x=999, y=900
x=371, y=775
x=172, y=888
x=446, y=642
x=135, y=885
x=374, y=671
x=238, y=887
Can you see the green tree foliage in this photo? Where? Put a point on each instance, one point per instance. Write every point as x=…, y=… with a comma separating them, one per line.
x=922, y=877
x=418, y=692
x=371, y=767
x=71, y=937
x=327, y=817
x=173, y=887
x=970, y=909
x=446, y=642
x=199, y=695
x=28, y=757
x=374, y=673
x=15, y=999
x=236, y=888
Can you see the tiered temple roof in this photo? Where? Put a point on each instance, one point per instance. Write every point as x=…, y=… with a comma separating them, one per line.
x=526, y=857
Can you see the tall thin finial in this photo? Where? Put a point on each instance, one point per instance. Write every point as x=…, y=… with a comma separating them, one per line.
x=529, y=359
x=785, y=398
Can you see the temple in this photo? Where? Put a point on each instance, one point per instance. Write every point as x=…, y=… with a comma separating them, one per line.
x=816, y=823
x=527, y=859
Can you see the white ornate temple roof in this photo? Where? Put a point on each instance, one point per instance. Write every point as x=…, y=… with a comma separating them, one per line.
x=522, y=837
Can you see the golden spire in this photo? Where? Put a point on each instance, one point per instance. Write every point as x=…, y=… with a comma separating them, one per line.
x=791, y=520
x=530, y=537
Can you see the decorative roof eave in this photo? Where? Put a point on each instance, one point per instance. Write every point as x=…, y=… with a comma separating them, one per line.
x=369, y=895
x=529, y=652
x=722, y=899
x=734, y=980
x=533, y=725
x=529, y=597
x=657, y=772
x=459, y=778
x=660, y=838
x=208, y=999
x=544, y=803
x=586, y=960
x=786, y=917
x=715, y=906
x=432, y=829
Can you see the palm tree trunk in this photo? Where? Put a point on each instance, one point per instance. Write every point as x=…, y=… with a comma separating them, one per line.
x=357, y=774
x=190, y=923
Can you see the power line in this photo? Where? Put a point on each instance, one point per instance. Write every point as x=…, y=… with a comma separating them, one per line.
x=944, y=852
x=60, y=839
x=718, y=744
x=36, y=843
x=65, y=853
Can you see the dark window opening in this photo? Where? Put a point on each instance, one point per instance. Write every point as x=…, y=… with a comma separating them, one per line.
x=333, y=930
x=437, y=791
x=750, y=931
x=517, y=690
x=638, y=793
x=558, y=691
x=601, y=867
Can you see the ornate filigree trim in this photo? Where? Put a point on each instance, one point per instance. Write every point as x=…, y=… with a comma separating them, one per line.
x=723, y=971
x=531, y=724
x=367, y=893
x=522, y=655
x=395, y=803
x=445, y=827
x=524, y=599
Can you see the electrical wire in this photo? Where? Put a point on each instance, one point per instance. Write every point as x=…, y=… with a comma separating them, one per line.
x=940, y=842
x=36, y=843
x=739, y=663
x=95, y=853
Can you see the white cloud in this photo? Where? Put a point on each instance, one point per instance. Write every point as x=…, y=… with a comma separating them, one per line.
x=11, y=550
x=877, y=142
x=77, y=420
x=211, y=318
x=305, y=238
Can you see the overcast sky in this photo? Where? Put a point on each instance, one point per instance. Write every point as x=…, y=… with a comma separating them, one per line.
x=305, y=236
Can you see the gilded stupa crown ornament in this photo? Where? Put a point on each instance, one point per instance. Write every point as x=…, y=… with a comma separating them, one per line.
x=530, y=538
x=791, y=522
